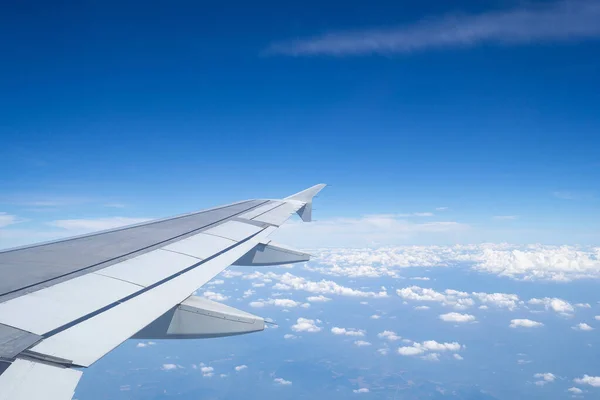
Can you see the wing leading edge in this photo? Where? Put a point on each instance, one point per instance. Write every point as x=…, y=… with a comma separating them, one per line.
x=66, y=320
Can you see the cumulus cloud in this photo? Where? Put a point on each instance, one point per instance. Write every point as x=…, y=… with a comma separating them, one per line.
x=347, y=331
x=389, y=335
x=458, y=357
x=431, y=357
x=169, y=367
x=281, y=381
x=582, y=326
x=214, y=296
x=361, y=390
x=289, y=336
x=241, y=367
x=362, y=343
x=524, y=323
x=555, y=22
x=544, y=377
x=430, y=346
x=588, y=380
x=207, y=372
x=285, y=303
x=555, y=304
x=457, y=317
x=306, y=325
x=575, y=390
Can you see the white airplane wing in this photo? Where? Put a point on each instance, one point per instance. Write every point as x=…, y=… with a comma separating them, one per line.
x=65, y=304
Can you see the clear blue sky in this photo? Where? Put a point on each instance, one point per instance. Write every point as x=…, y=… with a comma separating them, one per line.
x=172, y=106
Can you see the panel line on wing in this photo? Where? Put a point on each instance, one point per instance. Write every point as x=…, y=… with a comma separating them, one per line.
x=144, y=290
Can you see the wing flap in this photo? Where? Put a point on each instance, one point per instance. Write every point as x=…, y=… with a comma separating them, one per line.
x=28, y=380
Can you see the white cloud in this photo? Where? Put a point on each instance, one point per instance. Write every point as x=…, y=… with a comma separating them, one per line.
x=430, y=345
x=361, y=390
x=285, y=303
x=362, y=343
x=420, y=278
x=241, y=367
x=217, y=282
x=207, y=372
x=454, y=298
x=582, y=326
x=7, y=219
x=410, y=351
x=383, y=351
x=458, y=356
x=281, y=381
x=588, y=380
x=503, y=300
x=214, y=296
x=597, y=317
x=524, y=323
x=169, y=367
x=306, y=325
x=257, y=285
x=318, y=299
x=289, y=281
x=575, y=390
x=422, y=308
x=546, y=376
x=505, y=217
x=289, y=336
x=389, y=335
x=583, y=305
x=457, y=317
x=248, y=293
x=375, y=316
x=98, y=224
x=558, y=305
x=145, y=344
x=347, y=331
x=555, y=22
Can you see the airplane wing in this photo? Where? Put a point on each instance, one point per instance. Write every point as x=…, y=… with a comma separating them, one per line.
x=65, y=304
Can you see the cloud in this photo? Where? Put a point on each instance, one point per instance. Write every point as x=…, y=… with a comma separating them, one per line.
x=582, y=326
x=207, y=372
x=306, y=325
x=7, y=219
x=422, y=308
x=241, y=367
x=441, y=208
x=214, y=296
x=289, y=336
x=169, y=367
x=318, y=299
x=361, y=390
x=248, y=293
x=362, y=343
x=375, y=316
x=285, y=303
x=523, y=262
x=575, y=390
x=555, y=304
x=288, y=281
x=502, y=300
x=281, y=381
x=545, y=376
x=449, y=297
x=524, y=323
x=389, y=335
x=588, y=380
x=430, y=345
x=556, y=22
x=145, y=344
x=347, y=331
x=458, y=357
x=457, y=317
x=98, y=224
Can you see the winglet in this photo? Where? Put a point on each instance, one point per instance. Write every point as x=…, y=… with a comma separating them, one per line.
x=306, y=197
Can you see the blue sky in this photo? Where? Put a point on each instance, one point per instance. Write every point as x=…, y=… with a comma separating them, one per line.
x=459, y=139
x=166, y=108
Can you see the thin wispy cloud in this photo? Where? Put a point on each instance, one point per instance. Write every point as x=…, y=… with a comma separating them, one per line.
x=555, y=22
x=505, y=217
